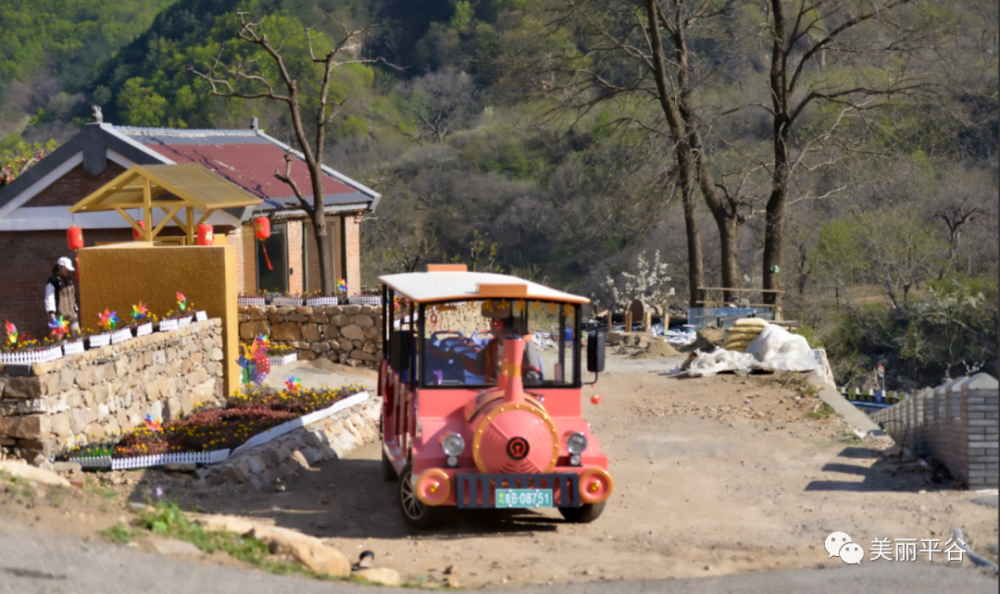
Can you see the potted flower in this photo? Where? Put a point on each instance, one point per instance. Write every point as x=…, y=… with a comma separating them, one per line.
x=178, y=318
x=282, y=354
x=251, y=299
x=101, y=337
x=142, y=320
x=60, y=330
x=110, y=322
x=21, y=348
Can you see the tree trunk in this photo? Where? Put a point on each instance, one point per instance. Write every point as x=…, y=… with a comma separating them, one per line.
x=725, y=220
x=682, y=150
x=696, y=261
x=323, y=247
x=774, y=223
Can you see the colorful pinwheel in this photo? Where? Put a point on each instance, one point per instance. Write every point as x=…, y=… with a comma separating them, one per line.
x=152, y=423
x=342, y=285
x=293, y=385
x=181, y=301
x=139, y=311
x=59, y=327
x=108, y=319
x=11, y=333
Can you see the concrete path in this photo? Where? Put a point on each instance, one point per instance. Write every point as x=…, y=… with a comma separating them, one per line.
x=33, y=562
x=312, y=377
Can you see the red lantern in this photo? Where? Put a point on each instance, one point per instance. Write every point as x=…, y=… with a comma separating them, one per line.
x=262, y=228
x=74, y=237
x=206, y=236
x=139, y=235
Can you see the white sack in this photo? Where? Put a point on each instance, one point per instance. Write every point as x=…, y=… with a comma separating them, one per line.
x=778, y=349
x=707, y=364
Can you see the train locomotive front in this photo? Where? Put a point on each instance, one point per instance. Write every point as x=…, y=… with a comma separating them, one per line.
x=478, y=417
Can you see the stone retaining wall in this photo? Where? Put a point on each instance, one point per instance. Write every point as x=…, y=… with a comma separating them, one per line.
x=347, y=334
x=332, y=437
x=49, y=408
x=955, y=423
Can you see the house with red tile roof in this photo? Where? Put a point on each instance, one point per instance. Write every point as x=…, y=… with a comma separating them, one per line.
x=34, y=211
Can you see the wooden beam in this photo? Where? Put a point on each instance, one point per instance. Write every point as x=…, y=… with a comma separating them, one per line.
x=190, y=225
x=739, y=290
x=147, y=193
x=165, y=220
x=172, y=214
x=204, y=217
x=124, y=214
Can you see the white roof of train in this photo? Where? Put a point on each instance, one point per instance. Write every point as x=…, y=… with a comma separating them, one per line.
x=426, y=287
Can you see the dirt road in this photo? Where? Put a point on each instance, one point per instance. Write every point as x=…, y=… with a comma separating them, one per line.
x=713, y=476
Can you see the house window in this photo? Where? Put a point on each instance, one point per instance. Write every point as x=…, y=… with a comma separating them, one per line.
x=273, y=249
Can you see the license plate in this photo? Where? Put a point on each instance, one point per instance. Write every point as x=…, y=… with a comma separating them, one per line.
x=524, y=497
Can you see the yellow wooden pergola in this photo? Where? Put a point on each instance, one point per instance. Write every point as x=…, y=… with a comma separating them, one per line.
x=171, y=188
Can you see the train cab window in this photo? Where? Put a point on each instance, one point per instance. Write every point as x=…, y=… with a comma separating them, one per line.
x=463, y=342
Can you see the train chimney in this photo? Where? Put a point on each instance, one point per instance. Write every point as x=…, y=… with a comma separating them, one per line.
x=510, y=369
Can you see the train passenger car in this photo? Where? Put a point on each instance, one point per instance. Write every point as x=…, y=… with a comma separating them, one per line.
x=482, y=396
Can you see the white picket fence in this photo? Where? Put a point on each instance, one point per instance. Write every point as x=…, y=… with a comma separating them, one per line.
x=184, y=322
x=283, y=359
x=99, y=340
x=29, y=357
x=168, y=325
x=73, y=348
x=144, y=329
x=251, y=301
x=122, y=335
x=365, y=300
x=213, y=457
x=287, y=301
x=314, y=301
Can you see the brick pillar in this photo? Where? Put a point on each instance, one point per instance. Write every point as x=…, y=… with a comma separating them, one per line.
x=352, y=242
x=296, y=278
x=235, y=238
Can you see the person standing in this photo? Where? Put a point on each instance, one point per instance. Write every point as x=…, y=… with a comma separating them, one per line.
x=60, y=295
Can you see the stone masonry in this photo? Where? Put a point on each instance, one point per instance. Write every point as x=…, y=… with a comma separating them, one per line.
x=955, y=423
x=49, y=408
x=347, y=334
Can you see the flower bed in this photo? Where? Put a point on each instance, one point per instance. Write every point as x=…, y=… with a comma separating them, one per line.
x=248, y=413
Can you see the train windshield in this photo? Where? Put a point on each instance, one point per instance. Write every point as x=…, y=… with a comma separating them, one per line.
x=463, y=342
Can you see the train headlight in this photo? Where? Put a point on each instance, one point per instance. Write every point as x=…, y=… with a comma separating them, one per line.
x=576, y=443
x=453, y=444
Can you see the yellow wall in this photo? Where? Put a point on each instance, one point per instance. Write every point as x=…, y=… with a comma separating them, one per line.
x=118, y=276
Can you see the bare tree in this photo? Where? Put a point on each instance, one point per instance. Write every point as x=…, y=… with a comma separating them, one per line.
x=252, y=76
x=800, y=41
x=440, y=102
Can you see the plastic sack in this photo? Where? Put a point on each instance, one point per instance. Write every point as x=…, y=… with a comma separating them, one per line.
x=778, y=349
x=707, y=364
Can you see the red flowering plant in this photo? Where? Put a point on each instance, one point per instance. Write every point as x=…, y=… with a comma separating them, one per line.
x=22, y=342
x=250, y=411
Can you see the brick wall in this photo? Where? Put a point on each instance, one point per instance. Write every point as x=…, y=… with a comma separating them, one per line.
x=28, y=258
x=955, y=423
x=75, y=185
x=352, y=236
x=296, y=277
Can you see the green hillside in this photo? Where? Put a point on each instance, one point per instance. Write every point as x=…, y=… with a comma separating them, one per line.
x=527, y=137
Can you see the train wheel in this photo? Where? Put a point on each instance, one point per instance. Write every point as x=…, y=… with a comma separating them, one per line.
x=388, y=471
x=586, y=513
x=416, y=513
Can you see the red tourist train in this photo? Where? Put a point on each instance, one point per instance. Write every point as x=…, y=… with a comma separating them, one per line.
x=475, y=415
